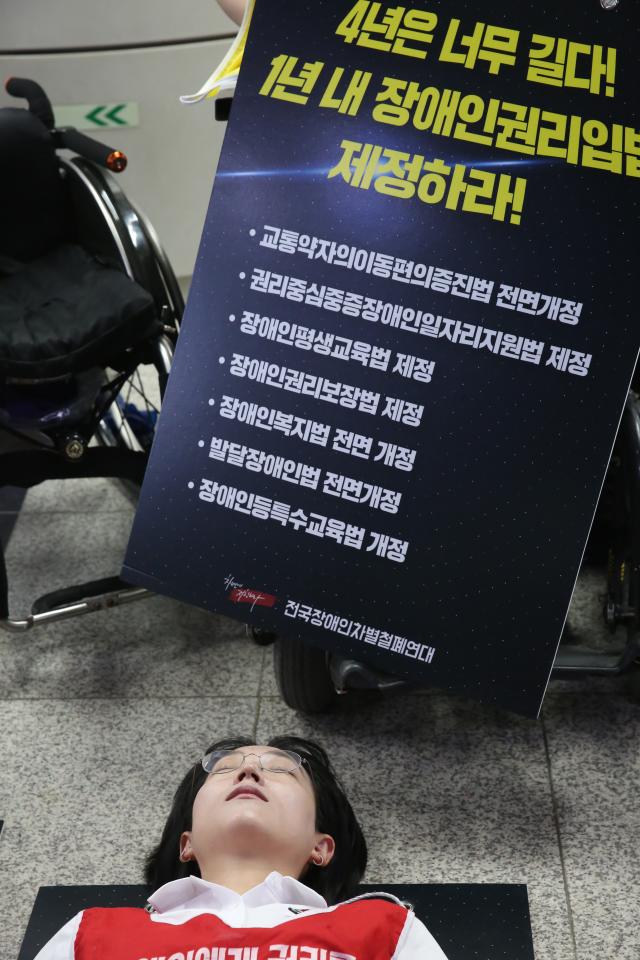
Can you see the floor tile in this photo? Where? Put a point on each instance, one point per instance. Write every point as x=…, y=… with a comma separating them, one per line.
x=446, y=792
x=86, y=787
x=268, y=686
x=94, y=495
x=50, y=551
x=73, y=495
x=595, y=764
x=154, y=647
x=43, y=498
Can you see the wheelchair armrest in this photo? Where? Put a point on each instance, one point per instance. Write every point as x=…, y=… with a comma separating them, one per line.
x=68, y=138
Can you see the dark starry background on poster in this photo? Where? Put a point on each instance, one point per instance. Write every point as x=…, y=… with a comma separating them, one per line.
x=511, y=455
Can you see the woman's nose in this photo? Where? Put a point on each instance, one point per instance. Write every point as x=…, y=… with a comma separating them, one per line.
x=250, y=767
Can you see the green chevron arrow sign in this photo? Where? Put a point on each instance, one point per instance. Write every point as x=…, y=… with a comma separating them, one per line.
x=97, y=116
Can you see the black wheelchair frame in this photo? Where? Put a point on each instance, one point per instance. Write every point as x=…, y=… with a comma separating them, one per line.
x=89, y=433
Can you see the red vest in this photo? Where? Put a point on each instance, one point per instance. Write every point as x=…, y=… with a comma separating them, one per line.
x=361, y=930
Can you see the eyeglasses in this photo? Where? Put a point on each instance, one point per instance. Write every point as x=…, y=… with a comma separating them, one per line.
x=274, y=761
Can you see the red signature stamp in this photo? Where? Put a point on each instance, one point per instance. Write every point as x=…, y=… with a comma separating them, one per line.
x=254, y=597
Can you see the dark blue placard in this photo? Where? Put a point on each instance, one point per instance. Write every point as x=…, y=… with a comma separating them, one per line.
x=506, y=326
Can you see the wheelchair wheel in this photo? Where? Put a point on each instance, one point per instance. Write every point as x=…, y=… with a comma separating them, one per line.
x=261, y=637
x=130, y=421
x=303, y=676
x=622, y=522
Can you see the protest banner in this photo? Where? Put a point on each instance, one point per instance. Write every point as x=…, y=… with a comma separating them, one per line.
x=409, y=338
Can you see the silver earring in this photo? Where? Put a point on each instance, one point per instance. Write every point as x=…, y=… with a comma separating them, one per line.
x=318, y=863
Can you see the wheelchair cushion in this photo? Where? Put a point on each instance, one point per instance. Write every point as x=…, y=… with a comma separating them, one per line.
x=35, y=209
x=67, y=311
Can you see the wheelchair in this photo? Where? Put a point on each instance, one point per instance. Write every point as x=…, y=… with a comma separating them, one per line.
x=90, y=311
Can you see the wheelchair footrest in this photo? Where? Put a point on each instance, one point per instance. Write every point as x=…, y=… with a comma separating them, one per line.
x=78, y=594
x=353, y=675
x=576, y=660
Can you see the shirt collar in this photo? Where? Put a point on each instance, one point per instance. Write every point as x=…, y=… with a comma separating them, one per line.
x=193, y=893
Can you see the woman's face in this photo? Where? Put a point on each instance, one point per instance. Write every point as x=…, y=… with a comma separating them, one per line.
x=250, y=813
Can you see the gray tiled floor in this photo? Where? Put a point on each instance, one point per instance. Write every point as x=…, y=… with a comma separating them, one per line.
x=87, y=782
x=100, y=716
x=448, y=792
x=594, y=750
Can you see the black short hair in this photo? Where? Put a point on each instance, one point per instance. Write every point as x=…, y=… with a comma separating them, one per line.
x=334, y=815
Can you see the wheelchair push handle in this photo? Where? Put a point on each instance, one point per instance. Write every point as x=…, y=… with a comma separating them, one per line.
x=32, y=92
x=66, y=138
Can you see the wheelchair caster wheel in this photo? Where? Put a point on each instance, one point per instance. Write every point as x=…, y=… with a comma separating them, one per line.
x=261, y=638
x=303, y=676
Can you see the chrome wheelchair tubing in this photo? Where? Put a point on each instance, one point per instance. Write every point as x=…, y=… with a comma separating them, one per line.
x=105, y=601
x=135, y=234
x=166, y=271
x=128, y=436
x=102, y=201
x=164, y=349
x=123, y=433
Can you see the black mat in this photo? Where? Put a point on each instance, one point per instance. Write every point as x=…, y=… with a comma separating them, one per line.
x=470, y=921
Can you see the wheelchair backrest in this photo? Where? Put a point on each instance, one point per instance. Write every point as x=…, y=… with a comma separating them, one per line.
x=34, y=208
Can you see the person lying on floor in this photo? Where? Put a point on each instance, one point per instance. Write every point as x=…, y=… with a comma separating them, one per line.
x=259, y=859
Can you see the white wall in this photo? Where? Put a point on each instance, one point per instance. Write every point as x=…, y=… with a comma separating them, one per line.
x=47, y=24
x=174, y=151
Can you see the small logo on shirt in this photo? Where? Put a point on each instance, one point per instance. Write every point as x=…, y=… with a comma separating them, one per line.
x=298, y=909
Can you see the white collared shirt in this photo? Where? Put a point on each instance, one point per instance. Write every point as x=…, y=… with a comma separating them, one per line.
x=274, y=901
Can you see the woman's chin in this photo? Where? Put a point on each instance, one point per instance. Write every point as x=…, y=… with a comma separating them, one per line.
x=245, y=819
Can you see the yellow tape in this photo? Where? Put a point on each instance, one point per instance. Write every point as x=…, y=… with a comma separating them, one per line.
x=224, y=77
